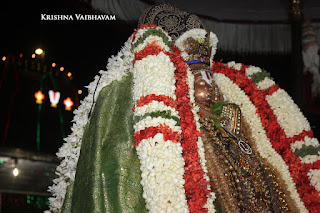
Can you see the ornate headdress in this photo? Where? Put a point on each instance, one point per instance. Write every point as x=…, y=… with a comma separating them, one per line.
x=174, y=21
x=186, y=30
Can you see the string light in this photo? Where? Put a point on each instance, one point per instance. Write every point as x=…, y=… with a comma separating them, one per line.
x=68, y=103
x=54, y=98
x=61, y=69
x=4, y=58
x=53, y=64
x=79, y=91
x=15, y=172
x=33, y=55
x=69, y=74
x=39, y=97
x=39, y=51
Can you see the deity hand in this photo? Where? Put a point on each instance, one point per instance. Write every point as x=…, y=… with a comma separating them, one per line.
x=207, y=94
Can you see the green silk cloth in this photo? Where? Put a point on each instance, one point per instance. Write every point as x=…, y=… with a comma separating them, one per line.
x=108, y=172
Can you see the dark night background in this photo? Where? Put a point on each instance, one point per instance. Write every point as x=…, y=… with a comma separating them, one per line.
x=82, y=48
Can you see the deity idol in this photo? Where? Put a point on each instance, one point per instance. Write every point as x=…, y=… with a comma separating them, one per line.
x=167, y=129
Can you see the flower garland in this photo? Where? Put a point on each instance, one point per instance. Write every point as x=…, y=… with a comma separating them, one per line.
x=283, y=107
x=118, y=66
x=196, y=185
x=303, y=146
x=270, y=127
x=150, y=132
x=157, y=144
x=147, y=34
x=152, y=105
x=151, y=61
x=199, y=35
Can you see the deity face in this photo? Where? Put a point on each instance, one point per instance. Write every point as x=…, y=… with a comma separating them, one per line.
x=203, y=90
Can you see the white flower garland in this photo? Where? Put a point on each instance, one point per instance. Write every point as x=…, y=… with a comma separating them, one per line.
x=234, y=94
x=237, y=66
x=308, y=142
x=265, y=84
x=284, y=107
x=161, y=162
x=157, y=121
x=158, y=78
x=262, y=85
x=152, y=38
x=314, y=176
x=162, y=167
x=289, y=117
x=155, y=106
x=118, y=66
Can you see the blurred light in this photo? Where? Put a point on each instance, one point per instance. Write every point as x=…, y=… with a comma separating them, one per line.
x=53, y=64
x=61, y=69
x=33, y=55
x=54, y=98
x=68, y=103
x=69, y=74
x=79, y=91
x=1, y=161
x=4, y=58
x=21, y=55
x=39, y=51
x=39, y=97
x=15, y=172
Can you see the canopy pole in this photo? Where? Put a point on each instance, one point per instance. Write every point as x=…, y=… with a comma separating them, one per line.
x=295, y=14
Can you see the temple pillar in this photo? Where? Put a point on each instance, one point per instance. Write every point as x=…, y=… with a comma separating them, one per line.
x=295, y=7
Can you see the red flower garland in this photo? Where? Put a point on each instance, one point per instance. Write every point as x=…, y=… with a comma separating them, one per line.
x=272, y=89
x=168, y=101
x=150, y=132
x=276, y=134
x=150, y=49
x=195, y=183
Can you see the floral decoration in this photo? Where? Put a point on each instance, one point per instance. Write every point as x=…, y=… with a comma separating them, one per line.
x=165, y=72
x=273, y=131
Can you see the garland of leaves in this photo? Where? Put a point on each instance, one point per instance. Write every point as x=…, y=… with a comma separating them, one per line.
x=163, y=114
x=155, y=32
x=260, y=76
